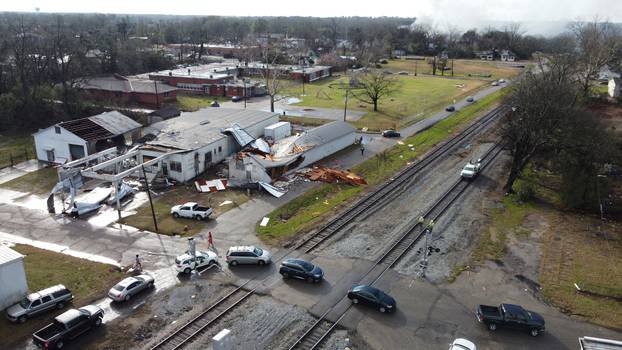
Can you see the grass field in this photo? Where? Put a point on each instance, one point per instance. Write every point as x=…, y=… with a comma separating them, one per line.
x=322, y=201
x=18, y=147
x=415, y=97
x=87, y=280
x=162, y=204
x=476, y=68
x=38, y=182
x=191, y=103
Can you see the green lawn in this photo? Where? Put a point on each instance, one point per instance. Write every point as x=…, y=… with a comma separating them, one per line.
x=87, y=280
x=18, y=147
x=38, y=182
x=323, y=201
x=476, y=68
x=190, y=103
x=414, y=99
x=168, y=225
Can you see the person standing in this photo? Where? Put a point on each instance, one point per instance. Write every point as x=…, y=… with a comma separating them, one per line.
x=210, y=241
x=362, y=149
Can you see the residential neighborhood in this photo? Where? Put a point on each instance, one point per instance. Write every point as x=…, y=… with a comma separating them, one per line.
x=317, y=176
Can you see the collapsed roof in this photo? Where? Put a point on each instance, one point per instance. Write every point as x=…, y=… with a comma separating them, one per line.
x=101, y=126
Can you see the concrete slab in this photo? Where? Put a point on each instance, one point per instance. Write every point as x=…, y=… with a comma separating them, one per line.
x=10, y=173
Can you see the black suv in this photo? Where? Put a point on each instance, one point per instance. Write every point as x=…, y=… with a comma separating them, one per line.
x=304, y=270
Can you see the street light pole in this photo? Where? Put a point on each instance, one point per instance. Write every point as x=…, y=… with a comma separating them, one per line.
x=244, y=81
x=345, y=106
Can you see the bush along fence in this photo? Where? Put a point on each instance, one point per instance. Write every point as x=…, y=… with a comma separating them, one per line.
x=9, y=159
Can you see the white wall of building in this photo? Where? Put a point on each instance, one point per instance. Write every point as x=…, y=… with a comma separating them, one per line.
x=614, y=89
x=13, y=285
x=47, y=139
x=325, y=150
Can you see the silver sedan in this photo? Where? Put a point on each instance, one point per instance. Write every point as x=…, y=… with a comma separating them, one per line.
x=124, y=290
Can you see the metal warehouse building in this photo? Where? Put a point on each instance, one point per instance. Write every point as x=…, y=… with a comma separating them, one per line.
x=13, y=285
x=199, y=139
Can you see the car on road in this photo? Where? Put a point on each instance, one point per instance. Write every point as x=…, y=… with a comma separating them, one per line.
x=471, y=169
x=236, y=98
x=185, y=263
x=390, y=133
x=501, y=81
x=301, y=269
x=191, y=210
x=510, y=316
x=67, y=326
x=450, y=108
x=214, y=104
x=54, y=297
x=495, y=83
x=470, y=99
x=368, y=295
x=124, y=290
x=247, y=255
x=462, y=344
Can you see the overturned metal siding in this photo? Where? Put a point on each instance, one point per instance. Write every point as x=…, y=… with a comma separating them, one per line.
x=324, y=150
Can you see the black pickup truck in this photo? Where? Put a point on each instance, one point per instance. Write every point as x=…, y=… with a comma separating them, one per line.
x=67, y=326
x=510, y=316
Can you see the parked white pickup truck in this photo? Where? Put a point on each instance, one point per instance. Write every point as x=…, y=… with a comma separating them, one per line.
x=471, y=169
x=191, y=210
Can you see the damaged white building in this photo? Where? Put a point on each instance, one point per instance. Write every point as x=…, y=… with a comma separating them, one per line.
x=200, y=139
x=290, y=153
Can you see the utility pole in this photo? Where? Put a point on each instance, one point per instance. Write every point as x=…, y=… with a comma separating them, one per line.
x=155, y=222
x=345, y=106
x=155, y=84
x=244, y=81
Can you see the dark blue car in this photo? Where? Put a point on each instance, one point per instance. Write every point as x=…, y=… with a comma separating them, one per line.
x=374, y=297
x=301, y=269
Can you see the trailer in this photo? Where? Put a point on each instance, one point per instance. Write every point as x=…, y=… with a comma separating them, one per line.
x=278, y=131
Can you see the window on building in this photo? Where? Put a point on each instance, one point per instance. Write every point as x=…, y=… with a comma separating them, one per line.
x=174, y=166
x=57, y=129
x=219, y=149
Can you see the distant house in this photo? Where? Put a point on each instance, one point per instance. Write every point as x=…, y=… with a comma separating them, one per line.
x=398, y=53
x=615, y=85
x=74, y=139
x=606, y=74
x=117, y=88
x=486, y=55
x=507, y=56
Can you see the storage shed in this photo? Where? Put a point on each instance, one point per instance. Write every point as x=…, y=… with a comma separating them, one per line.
x=13, y=285
x=278, y=131
x=75, y=139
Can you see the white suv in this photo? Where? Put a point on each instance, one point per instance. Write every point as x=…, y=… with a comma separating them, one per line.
x=185, y=263
x=248, y=255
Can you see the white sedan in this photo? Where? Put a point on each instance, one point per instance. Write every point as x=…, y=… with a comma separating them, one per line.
x=185, y=263
x=124, y=290
x=462, y=344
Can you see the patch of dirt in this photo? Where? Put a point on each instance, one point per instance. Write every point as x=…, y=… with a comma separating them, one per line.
x=260, y=323
x=344, y=339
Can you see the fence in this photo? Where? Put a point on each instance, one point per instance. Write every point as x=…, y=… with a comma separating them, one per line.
x=15, y=156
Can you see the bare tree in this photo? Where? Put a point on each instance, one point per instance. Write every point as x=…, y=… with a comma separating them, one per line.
x=598, y=43
x=374, y=86
x=540, y=101
x=272, y=75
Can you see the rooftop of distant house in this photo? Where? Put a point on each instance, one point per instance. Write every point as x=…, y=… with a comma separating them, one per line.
x=120, y=83
x=101, y=126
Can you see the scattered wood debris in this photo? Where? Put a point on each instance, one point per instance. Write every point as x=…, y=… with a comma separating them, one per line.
x=333, y=176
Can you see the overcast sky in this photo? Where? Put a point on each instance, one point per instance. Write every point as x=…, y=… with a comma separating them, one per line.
x=461, y=13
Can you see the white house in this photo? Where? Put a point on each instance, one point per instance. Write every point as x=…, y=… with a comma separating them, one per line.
x=13, y=285
x=486, y=55
x=507, y=56
x=200, y=138
x=615, y=85
x=74, y=139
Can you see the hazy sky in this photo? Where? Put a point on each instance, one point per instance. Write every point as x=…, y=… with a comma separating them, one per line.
x=462, y=13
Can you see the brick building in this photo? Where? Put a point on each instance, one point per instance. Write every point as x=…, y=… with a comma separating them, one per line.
x=124, y=90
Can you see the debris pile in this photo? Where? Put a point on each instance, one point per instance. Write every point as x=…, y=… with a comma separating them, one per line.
x=333, y=176
x=211, y=185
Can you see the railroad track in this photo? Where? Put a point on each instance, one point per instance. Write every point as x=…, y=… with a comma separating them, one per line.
x=321, y=329
x=387, y=192
x=190, y=330
x=198, y=325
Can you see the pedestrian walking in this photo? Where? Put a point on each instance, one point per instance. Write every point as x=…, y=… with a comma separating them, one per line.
x=210, y=241
x=362, y=149
x=137, y=264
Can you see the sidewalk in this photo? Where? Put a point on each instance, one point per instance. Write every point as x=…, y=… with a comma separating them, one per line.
x=9, y=173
